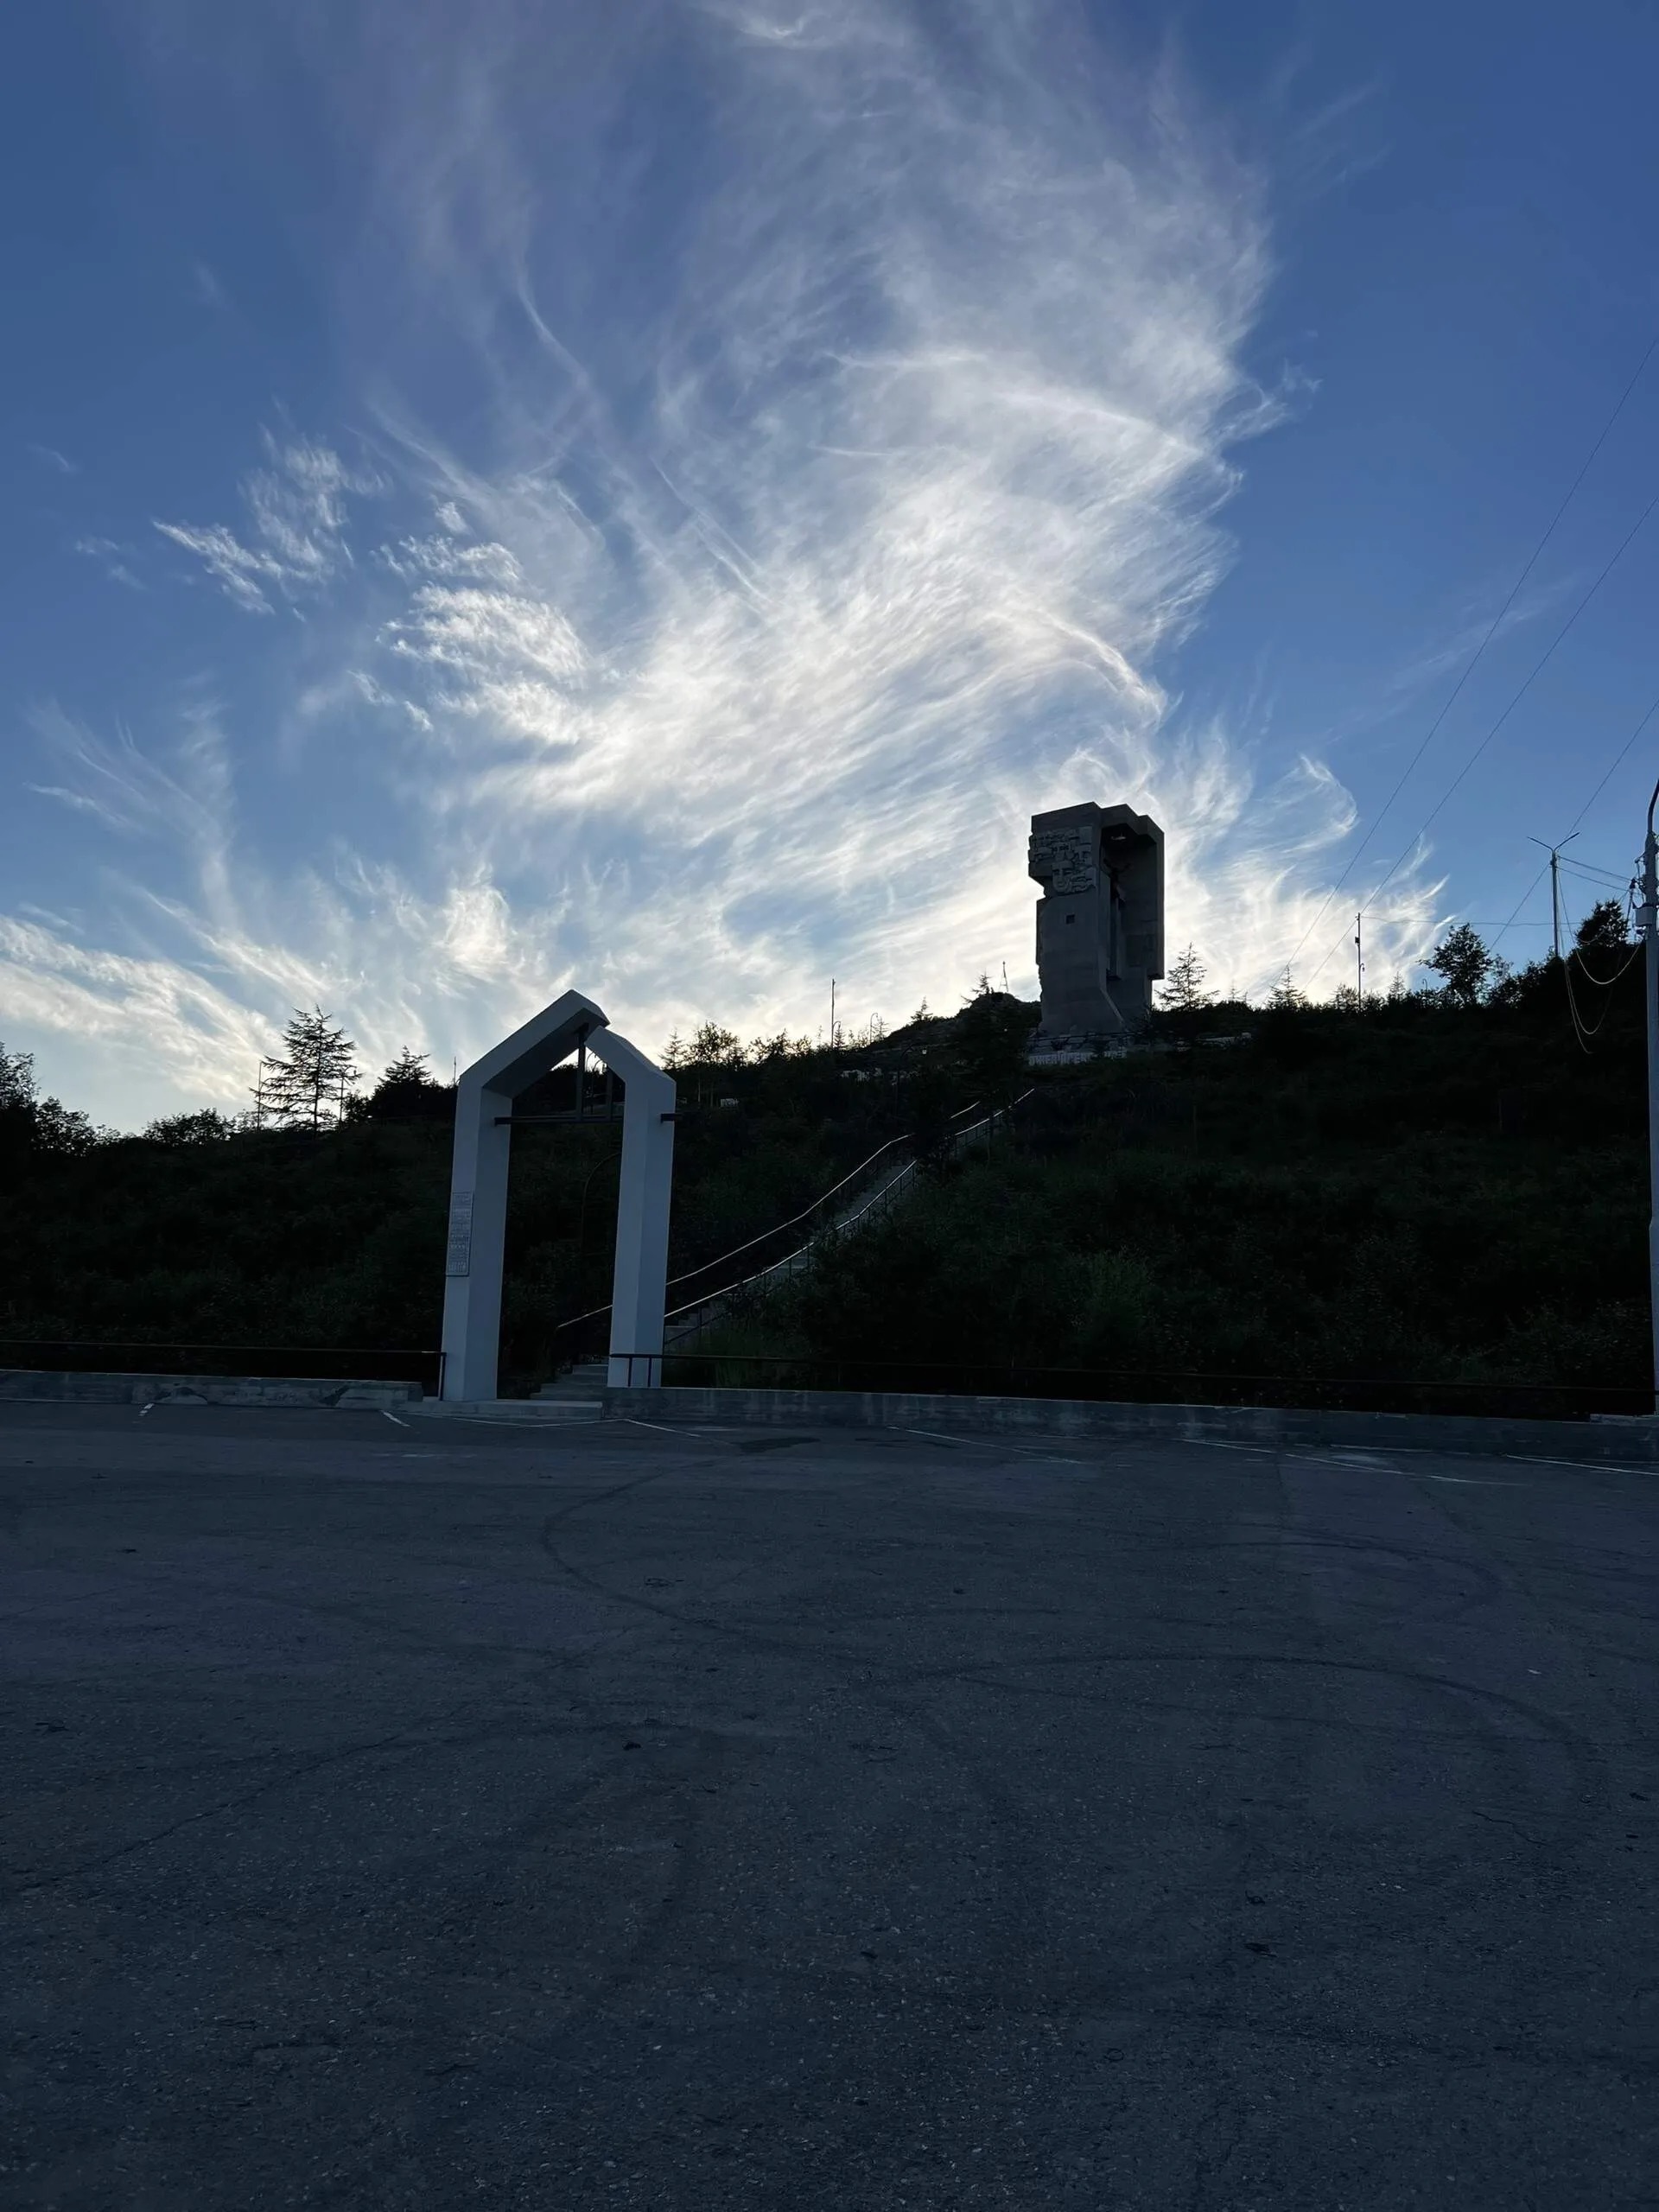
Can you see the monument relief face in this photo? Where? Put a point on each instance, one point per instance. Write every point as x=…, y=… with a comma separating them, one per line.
x=1099, y=922
x=1063, y=860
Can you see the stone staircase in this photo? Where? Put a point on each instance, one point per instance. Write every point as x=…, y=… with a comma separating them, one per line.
x=584, y=1384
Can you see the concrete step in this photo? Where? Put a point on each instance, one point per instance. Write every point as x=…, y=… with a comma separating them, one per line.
x=584, y=1381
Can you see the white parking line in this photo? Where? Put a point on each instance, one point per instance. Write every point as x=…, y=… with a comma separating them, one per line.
x=1013, y=1448
x=1607, y=1467
x=391, y=1416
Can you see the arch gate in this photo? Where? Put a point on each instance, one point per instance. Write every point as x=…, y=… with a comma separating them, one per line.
x=478, y=1197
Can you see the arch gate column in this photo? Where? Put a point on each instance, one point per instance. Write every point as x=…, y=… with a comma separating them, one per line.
x=478, y=1198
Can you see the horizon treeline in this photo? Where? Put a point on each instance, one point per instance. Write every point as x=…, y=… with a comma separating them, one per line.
x=313, y=1084
x=1443, y=1182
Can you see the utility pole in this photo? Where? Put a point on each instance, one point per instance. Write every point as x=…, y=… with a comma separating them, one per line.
x=1647, y=915
x=1359, y=957
x=832, y=1014
x=1555, y=852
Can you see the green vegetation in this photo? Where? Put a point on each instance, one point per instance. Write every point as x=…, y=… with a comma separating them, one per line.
x=1446, y=1184
x=211, y=1231
x=1442, y=1186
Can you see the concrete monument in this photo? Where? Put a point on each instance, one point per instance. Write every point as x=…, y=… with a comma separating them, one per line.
x=477, y=1196
x=1099, y=922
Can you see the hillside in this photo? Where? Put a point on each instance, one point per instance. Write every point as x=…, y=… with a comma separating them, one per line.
x=281, y=1238
x=1412, y=1192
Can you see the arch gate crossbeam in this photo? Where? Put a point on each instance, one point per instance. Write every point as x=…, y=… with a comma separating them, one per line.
x=478, y=1197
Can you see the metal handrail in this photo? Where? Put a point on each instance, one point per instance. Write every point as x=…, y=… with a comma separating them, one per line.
x=155, y=1355
x=712, y=1297
x=777, y=1228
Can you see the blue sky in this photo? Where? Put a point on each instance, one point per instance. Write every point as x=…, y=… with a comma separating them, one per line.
x=653, y=497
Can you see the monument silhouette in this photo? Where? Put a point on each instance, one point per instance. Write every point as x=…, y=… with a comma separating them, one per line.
x=1099, y=922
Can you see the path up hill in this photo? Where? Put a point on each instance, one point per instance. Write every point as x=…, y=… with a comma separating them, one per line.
x=1408, y=1191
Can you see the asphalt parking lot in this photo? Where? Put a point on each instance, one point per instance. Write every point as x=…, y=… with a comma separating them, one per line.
x=438, y=1815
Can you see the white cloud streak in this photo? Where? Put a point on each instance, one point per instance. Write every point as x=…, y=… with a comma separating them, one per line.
x=823, y=509
x=296, y=517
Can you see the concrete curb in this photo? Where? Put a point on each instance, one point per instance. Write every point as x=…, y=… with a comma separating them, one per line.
x=37, y=1387
x=527, y=1413
x=1270, y=1426
x=1608, y=1438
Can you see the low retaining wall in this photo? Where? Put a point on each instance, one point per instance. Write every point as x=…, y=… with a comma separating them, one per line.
x=62, y=1386
x=1048, y=1417
x=1625, y=1440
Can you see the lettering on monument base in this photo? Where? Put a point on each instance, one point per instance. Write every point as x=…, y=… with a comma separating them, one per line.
x=460, y=1259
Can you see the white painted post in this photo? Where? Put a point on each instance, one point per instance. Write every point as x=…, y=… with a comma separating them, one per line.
x=639, y=1285
x=1647, y=918
x=478, y=1230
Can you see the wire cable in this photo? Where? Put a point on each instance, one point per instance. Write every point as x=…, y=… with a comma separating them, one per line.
x=1605, y=983
x=1536, y=670
x=1475, y=657
x=1616, y=763
x=1618, y=759
x=1594, y=875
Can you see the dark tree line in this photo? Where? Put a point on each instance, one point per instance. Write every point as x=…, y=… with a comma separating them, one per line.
x=30, y=1123
x=313, y=1083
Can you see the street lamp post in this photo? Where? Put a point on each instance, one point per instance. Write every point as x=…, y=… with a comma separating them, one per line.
x=1648, y=916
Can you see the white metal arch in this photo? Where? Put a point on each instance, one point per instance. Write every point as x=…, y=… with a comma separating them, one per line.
x=478, y=1197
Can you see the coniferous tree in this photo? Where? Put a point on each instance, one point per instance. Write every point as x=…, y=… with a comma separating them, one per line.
x=409, y=1066
x=308, y=1088
x=406, y=1091
x=1183, y=991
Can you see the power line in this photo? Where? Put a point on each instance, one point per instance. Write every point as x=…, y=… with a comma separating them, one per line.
x=1536, y=670
x=1618, y=761
x=1475, y=657
x=1581, y=1028
x=1594, y=874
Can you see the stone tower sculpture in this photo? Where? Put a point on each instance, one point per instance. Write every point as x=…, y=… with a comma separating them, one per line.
x=1099, y=922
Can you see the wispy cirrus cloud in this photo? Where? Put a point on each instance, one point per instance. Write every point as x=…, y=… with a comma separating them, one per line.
x=115, y=559
x=773, y=523
x=295, y=540
x=219, y=947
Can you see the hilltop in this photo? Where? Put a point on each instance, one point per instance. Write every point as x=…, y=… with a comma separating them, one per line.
x=1412, y=1188
x=1409, y=1190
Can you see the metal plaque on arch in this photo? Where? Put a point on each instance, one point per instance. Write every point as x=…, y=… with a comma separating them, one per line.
x=459, y=1261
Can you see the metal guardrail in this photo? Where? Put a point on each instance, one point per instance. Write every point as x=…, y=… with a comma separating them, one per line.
x=1167, y=1386
x=696, y=1315
x=90, y=1355
x=781, y=1228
